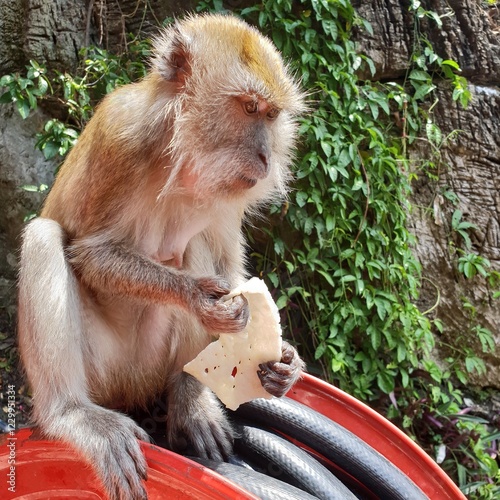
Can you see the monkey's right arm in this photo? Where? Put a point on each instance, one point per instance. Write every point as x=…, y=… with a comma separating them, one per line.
x=114, y=267
x=51, y=341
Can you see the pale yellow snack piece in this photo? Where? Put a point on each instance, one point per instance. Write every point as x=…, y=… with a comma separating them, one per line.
x=229, y=365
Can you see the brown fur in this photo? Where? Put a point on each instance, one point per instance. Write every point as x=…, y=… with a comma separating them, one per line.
x=140, y=237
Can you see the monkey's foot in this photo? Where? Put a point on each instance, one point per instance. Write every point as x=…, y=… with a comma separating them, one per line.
x=109, y=442
x=195, y=413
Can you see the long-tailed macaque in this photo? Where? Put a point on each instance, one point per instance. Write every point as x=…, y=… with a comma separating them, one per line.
x=122, y=275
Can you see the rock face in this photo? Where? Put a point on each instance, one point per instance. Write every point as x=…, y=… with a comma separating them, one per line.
x=473, y=174
x=20, y=165
x=470, y=163
x=53, y=33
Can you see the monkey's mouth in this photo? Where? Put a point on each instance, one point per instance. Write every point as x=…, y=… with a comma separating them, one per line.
x=246, y=182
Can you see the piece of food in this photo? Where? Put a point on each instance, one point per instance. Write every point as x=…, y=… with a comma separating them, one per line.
x=229, y=365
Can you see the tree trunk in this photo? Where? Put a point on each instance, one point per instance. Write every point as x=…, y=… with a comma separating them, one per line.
x=469, y=165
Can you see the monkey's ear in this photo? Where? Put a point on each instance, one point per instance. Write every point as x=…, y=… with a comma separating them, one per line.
x=172, y=59
x=179, y=66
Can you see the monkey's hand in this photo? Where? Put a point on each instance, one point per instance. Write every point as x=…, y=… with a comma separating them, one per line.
x=108, y=440
x=277, y=377
x=216, y=314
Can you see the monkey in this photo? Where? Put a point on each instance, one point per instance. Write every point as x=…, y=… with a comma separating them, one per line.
x=123, y=275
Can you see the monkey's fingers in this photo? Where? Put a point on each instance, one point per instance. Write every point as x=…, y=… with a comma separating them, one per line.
x=141, y=434
x=211, y=440
x=140, y=468
x=232, y=314
x=277, y=377
x=223, y=435
x=213, y=288
x=225, y=316
x=126, y=479
x=195, y=413
x=288, y=353
x=109, y=440
x=122, y=466
x=202, y=440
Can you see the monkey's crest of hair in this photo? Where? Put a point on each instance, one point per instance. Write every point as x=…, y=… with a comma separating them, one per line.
x=236, y=52
x=212, y=60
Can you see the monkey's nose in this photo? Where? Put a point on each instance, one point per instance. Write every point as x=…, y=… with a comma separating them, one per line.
x=264, y=160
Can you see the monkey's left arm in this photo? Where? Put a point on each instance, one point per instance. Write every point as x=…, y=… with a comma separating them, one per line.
x=112, y=267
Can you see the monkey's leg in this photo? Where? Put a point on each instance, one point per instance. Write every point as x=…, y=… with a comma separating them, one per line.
x=52, y=343
x=277, y=377
x=195, y=413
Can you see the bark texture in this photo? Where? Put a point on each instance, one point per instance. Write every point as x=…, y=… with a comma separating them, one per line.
x=470, y=164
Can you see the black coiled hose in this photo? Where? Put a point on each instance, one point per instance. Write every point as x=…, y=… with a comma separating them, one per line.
x=335, y=443
x=289, y=463
x=265, y=487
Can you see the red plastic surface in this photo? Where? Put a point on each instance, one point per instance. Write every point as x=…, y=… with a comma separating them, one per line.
x=379, y=433
x=50, y=470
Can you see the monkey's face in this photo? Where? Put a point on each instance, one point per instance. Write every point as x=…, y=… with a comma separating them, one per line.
x=234, y=123
x=239, y=140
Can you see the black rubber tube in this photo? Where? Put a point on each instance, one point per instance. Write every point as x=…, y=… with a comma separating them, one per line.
x=287, y=462
x=335, y=443
x=265, y=487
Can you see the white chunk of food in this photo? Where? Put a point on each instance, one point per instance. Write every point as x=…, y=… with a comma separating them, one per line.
x=229, y=365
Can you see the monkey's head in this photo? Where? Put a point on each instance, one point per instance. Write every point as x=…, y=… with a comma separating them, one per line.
x=233, y=105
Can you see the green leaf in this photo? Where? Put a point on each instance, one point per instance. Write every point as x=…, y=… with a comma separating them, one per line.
x=50, y=149
x=279, y=247
x=433, y=132
x=385, y=381
x=434, y=15
x=344, y=159
x=23, y=108
x=71, y=133
x=330, y=28
x=327, y=148
x=320, y=350
x=336, y=365
x=453, y=64
x=5, y=98
x=301, y=198
x=368, y=26
x=31, y=188
x=374, y=109
x=455, y=218
x=371, y=65
x=421, y=76
x=282, y=302
x=348, y=278
x=327, y=277
x=6, y=80
x=423, y=90
x=273, y=278
x=375, y=338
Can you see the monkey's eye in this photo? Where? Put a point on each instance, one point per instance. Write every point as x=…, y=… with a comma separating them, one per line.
x=251, y=107
x=273, y=113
